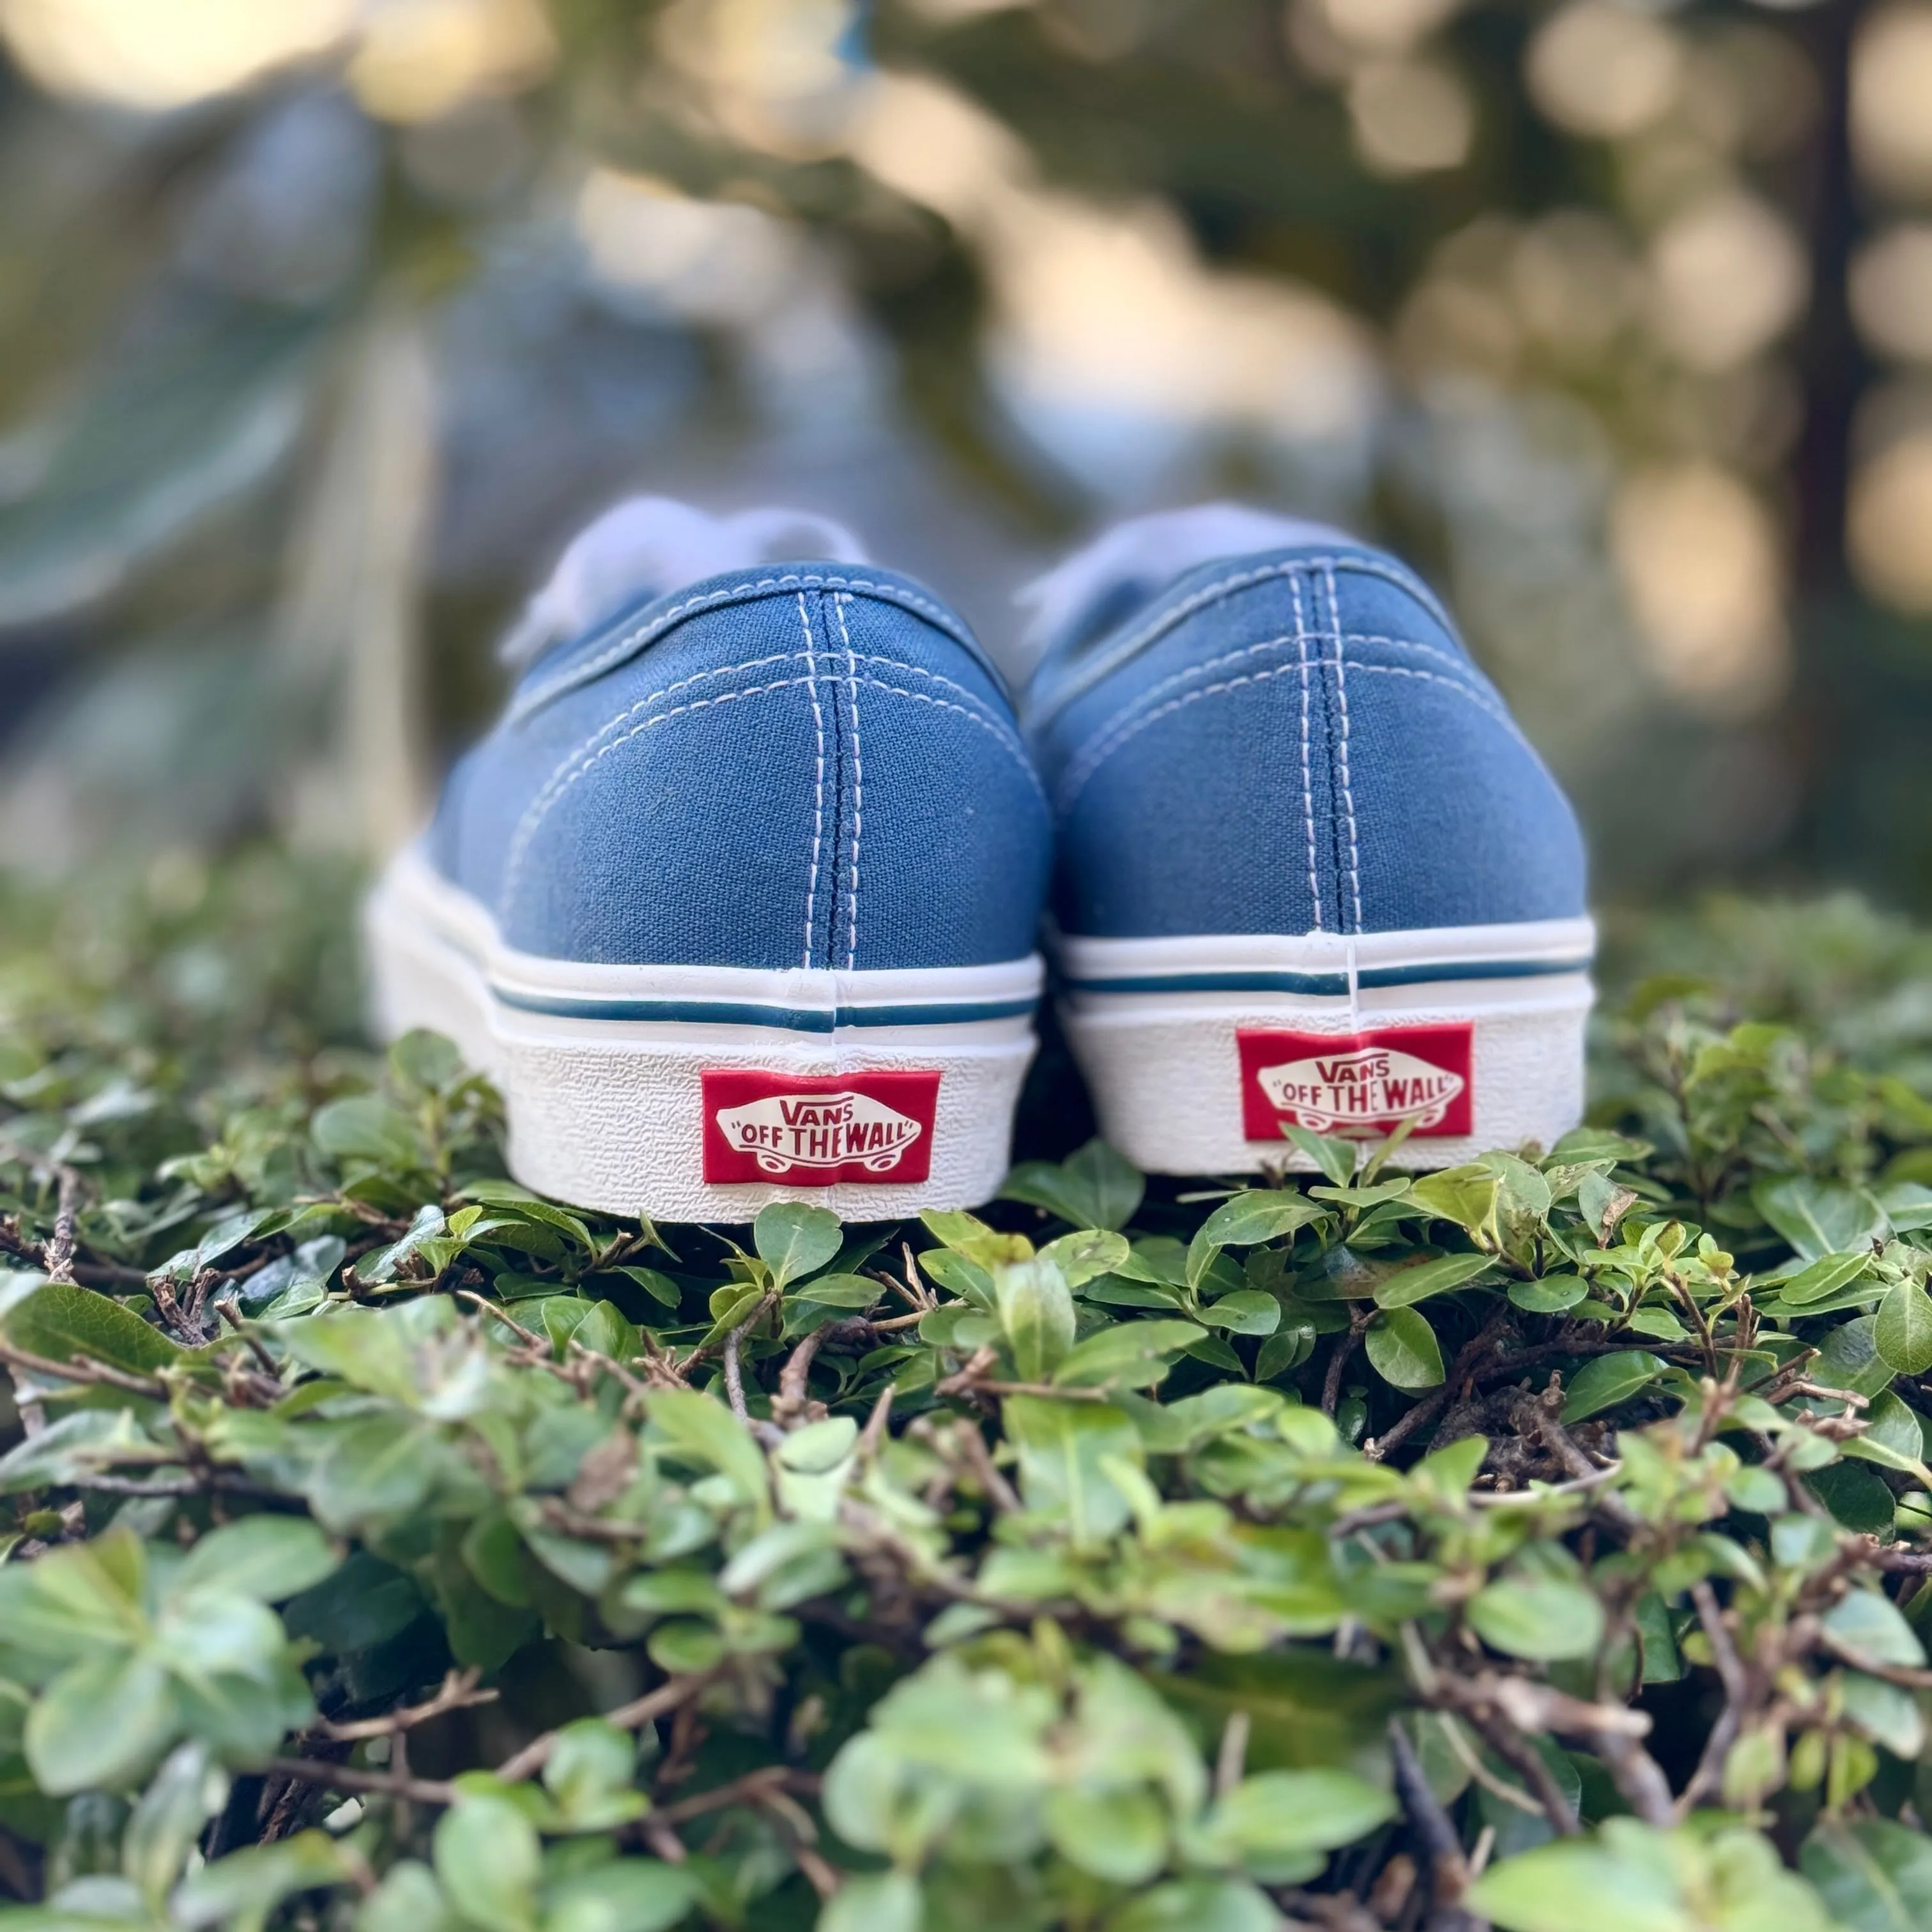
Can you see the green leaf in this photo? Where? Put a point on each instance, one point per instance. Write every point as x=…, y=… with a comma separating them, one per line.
x=701, y=1427
x=488, y=1859
x=366, y=1127
x=242, y=1889
x=1037, y=1312
x=408, y=1899
x=1903, y=1335
x=269, y=1557
x=180, y=1798
x=101, y=1724
x=1256, y=1215
x=589, y=1775
x=1305, y=1710
x=1819, y=1217
x=1857, y=1497
x=1120, y=1836
x=1278, y=1812
x=875, y=1901
x=1893, y=1439
x=382, y=1466
x=1543, y=1618
x=1127, y=1355
x=659, y=1287
x=1086, y=1254
x=624, y=1895
x=1874, y=1875
x=839, y=1290
x=1864, y=1624
x=1062, y=1446
x=1248, y=1311
x=1549, y=1296
x=1818, y=1279
x=1466, y=1195
x=1609, y=1382
x=1196, y=1905
x=792, y=1239
x=1409, y=1285
x=62, y=1320
x=1848, y=1358
x=1334, y=1157
x=1094, y=1188
x=1633, y=1878
x=1402, y=1348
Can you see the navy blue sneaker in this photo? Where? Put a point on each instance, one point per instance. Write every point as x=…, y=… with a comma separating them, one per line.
x=740, y=898
x=1310, y=873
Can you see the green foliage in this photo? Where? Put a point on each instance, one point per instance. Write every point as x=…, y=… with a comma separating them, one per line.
x=385, y=1548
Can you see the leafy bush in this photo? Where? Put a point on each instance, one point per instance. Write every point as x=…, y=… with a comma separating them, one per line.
x=1543, y=1541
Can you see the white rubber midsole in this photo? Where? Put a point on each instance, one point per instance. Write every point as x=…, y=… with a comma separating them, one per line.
x=1199, y=1049
x=625, y=1087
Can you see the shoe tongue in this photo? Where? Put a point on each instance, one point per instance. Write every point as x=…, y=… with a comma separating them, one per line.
x=648, y=546
x=1128, y=564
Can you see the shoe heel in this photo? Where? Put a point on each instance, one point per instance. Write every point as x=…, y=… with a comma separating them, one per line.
x=1199, y=1052
x=702, y=1093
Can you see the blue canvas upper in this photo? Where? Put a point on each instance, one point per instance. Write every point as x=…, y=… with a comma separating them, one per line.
x=794, y=765
x=1292, y=741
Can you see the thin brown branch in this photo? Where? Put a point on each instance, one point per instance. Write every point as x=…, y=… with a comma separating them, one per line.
x=373, y=1783
x=83, y=1369
x=1449, y=1870
x=1732, y=1674
x=484, y=1306
x=794, y=1379
x=753, y=1788
x=459, y=1692
x=632, y=1717
x=61, y=1243
x=734, y=1380
x=1344, y=1350
x=872, y=1437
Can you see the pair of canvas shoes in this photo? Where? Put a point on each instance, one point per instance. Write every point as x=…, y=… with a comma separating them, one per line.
x=742, y=895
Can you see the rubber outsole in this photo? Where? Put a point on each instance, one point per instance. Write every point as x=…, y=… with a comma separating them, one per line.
x=701, y=1093
x=1199, y=1051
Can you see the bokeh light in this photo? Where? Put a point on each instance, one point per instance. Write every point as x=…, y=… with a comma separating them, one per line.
x=1730, y=278
x=1891, y=522
x=1892, y=291
x=1605, y=71
x=1699, y=556
x=1411, y=116
x=154, y=54
x=1892, y=98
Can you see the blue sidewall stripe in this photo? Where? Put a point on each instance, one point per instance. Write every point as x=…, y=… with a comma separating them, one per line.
x=792, y=1019
x=1335, y=984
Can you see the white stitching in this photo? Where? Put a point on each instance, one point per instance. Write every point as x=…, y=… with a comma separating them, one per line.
x=1489, y=711
x=839, y=603
x=1154, y=691
x=1307, y=779
x=587, y=752
x=991, y=719
x=1165, y=619
x=513, y=865
x=818, y=794
x=1098, y=743
x=632, y=640
x=1014, y=751
x=1071, y=788
x=1348, y=795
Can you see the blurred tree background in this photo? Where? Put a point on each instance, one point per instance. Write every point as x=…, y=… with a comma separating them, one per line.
x=322, y=322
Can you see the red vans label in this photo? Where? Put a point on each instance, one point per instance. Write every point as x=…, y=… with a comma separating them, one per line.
x=1361, y=1085
x=812, y=1130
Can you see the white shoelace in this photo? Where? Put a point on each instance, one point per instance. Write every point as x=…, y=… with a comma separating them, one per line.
x=1142, y=554
x=650, y=546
